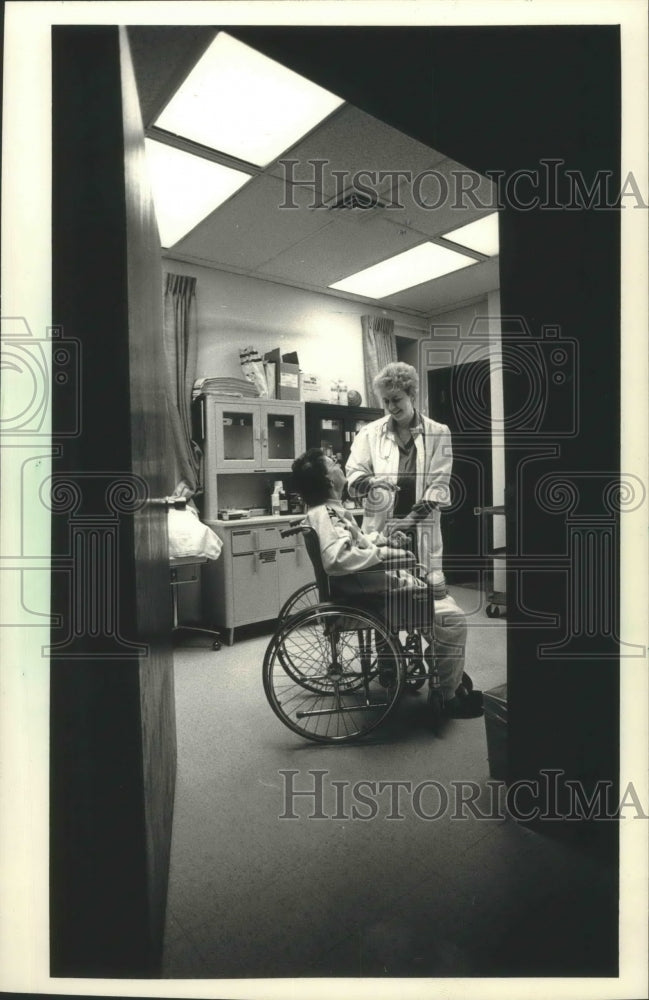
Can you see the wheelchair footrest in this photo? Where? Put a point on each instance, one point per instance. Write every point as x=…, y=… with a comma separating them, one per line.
x=342, y=708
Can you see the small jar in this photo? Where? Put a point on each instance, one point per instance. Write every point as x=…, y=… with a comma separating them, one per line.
x=295, y=504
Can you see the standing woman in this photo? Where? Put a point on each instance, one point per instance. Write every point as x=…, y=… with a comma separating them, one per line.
x=401, y=465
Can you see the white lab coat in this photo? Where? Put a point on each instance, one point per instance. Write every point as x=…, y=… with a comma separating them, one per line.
x=375, y=452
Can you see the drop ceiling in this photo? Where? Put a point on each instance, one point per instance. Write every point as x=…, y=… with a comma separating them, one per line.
x=311, y=247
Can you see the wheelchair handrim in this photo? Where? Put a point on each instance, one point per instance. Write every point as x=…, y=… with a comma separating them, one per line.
x=334, y=690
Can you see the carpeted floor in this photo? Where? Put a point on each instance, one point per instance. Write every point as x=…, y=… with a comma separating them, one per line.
x=397, y=895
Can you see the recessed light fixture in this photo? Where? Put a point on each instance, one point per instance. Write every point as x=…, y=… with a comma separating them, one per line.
x=412, y=267
x=186, y=188
x=242, y=103
x=481, y=235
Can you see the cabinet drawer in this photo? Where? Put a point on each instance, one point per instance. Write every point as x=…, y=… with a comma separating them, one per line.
x=255, y=539
x=255, y=587
x=242, y=542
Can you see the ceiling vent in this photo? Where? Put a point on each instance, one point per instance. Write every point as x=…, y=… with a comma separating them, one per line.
x=352, y=198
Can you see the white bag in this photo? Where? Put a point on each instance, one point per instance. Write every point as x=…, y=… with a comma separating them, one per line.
x=188, y=536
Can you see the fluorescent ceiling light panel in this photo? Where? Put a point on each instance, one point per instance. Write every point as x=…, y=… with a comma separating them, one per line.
x=412, y=267
x=186, y=188
x=244, y=104
x=481, y=235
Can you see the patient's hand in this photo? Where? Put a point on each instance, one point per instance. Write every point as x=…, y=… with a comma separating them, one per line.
x=397, y=556
x=408, y=523
x=398, y=539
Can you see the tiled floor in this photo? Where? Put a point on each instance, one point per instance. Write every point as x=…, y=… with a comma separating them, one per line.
x=252, y=895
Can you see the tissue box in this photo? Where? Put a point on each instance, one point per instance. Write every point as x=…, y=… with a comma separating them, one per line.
x=287, y=376
x=311, y=388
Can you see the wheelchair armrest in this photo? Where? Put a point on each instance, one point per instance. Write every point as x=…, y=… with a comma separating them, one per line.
x=295, y=528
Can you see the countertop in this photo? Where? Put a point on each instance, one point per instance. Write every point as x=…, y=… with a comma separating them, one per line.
x=283, y=519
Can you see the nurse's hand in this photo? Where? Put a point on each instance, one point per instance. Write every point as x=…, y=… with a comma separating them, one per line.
x=397, y=538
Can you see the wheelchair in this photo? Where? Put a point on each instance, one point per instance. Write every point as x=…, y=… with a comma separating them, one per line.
x=332, y=673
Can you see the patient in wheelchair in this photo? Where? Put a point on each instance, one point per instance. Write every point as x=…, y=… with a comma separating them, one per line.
x=361, y=567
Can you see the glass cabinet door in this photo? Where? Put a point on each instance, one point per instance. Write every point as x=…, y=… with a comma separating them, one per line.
x=259, y=436
x=331, y=437
x=238, y=436
x=281, y=436
x=236, y=427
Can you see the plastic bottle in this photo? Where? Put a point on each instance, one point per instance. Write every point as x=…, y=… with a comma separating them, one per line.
x=283, y=500
x=274, y=500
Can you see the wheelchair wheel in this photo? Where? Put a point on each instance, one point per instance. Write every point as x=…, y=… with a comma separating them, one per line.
x=305, y=670
x=324, y=679
x=305, y=597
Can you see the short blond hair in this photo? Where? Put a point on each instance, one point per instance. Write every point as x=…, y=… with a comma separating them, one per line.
x=398, y=375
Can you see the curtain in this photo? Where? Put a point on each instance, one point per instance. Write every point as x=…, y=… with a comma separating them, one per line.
x=379, y=349
x=180, y=343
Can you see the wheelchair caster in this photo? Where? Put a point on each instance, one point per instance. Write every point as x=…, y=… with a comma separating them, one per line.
x=216, y=645
x=416, y=677
x=492, y=611
x=435, y=706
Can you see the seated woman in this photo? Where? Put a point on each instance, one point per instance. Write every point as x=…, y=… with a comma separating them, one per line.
x=356, y=562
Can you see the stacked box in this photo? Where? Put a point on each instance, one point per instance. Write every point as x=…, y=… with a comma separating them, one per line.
x=287, y=375
x=311, y=388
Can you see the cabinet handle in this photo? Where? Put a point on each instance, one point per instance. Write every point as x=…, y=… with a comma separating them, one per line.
x=264, y=439
x=255, y=541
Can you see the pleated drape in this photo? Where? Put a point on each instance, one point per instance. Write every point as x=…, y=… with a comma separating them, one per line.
x=181, y=344
x=379, y=349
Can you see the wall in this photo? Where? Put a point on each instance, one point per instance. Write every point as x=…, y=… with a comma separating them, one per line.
x=460, y=336
x=236, y=310
x=454, y=337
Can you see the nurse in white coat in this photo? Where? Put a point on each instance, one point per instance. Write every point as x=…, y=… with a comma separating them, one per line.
x=400, y=465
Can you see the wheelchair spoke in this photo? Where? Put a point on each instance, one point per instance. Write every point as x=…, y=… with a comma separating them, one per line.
x=324, y=680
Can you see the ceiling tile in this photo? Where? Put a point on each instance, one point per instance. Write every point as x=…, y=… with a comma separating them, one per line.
x=352, y=141
x=353, y=239
x=251, y=228
x=434, y=205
